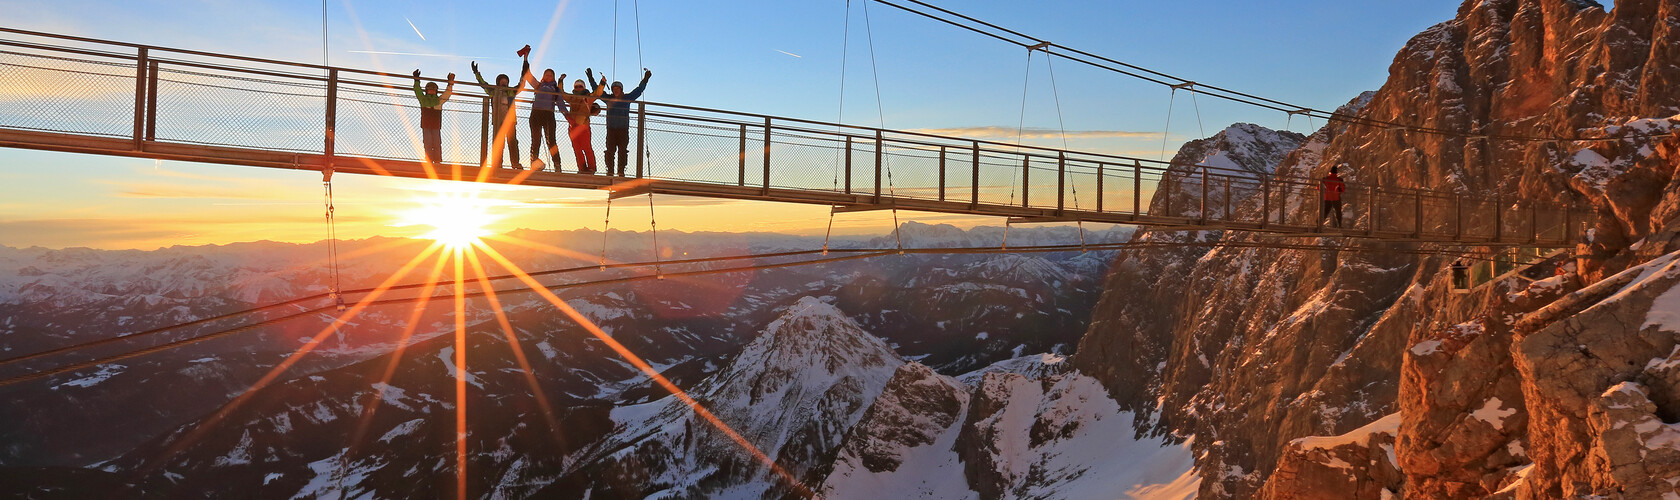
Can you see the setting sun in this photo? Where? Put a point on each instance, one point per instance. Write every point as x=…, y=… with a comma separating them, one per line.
x=457, y=219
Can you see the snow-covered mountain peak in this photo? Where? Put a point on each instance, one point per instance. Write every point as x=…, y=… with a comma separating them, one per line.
x=1242, y=146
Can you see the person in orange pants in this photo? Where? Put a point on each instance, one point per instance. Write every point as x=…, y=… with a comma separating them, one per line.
x=580, y=105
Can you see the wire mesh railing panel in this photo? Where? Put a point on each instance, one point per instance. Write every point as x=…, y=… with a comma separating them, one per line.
x=377, y=125
x=1120, y=192
x=1081, y=187
x=805, y=161
x=704, y=152
x=911, y=171
x=59, y=94
x=196, y=106
x=1000, y=179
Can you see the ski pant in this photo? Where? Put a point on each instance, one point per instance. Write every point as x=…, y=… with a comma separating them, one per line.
x=1331, y=206
x=433, y=140
x=542, y=126
x=618, y=141
x=504, y=134
x=580, y=147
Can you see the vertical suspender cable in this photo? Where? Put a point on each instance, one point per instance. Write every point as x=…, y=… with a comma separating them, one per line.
x=845, y=40
x=1049, y=62
x=615, y=39
x=605, y=226
x=326, y=183
x=1198, y=108
x=1168, y=129
x=1020, y=124
x=881, y=115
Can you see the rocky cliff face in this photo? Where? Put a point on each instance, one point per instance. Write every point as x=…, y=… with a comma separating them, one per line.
x=1249, y=350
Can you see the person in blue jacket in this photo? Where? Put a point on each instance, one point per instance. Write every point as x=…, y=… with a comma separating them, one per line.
x=618, y=122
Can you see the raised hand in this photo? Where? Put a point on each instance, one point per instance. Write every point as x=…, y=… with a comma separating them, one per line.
x=417, y=73
x=451, y=77
x=646, y=74
x=475, y=66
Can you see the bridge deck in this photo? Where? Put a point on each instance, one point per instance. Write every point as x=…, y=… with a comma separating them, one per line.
x=98, y=97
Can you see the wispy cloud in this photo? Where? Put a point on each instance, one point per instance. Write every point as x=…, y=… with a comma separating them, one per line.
x=789, y=53
x=999, y=132
x=416, y=30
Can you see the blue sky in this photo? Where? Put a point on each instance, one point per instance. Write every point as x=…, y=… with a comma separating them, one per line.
x=723, y=54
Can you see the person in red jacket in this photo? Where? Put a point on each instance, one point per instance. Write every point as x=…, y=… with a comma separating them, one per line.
x=1332, y=190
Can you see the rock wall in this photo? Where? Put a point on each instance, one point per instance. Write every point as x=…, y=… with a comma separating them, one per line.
x=1247, y=350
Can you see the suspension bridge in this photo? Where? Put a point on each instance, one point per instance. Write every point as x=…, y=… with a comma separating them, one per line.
x=91, y=96
x=101, y=97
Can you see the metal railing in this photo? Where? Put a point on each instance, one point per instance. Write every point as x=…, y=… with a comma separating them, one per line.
x=81, y=87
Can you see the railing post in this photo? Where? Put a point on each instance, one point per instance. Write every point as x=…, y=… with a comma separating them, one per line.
x=641, y=137
x=1227, y=197
x=1498, y=220
x=848, y=164
x=1458, y=217
x=1099, y=187
x=1533, y=223
x=877, y=166
x=484, y=135
x=151, y=101
x=1061, y=182
x=1137, y=189
x=766, y=155
x=141, y=63
x=1265, y=200
x=1417, y=225
x=942, y=173
x=741, y=160
x=974, y=184
x=1026, y=186
x=1371, y=201
x=1202, y=213
x=328, y=147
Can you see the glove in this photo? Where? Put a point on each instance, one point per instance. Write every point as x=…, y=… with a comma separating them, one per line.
x=646, y=74
x=524, y=51
x=475, y=66
x=417, y=73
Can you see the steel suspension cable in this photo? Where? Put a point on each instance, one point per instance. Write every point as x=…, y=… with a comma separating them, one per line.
x=880, y=112
x=854, y=254
x=1165, y=79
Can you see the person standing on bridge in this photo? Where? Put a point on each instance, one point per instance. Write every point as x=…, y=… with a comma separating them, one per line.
x=431, y=115
x=542, y=115
x=501, y=115
x=618, y=121
x=1331, y=191
x=582, y=105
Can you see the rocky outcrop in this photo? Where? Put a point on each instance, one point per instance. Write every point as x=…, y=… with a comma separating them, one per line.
x=1359, y=464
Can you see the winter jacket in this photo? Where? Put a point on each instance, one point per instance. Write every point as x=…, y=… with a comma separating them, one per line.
x=548, y=97
x=1333, y=188
x=579, y=104
x=431, y=106
x=618, y=108
x=501, y=98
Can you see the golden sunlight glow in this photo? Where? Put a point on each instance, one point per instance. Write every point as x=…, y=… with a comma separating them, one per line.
x=457, y=218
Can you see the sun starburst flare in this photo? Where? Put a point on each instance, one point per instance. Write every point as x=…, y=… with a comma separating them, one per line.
x=457, y=218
